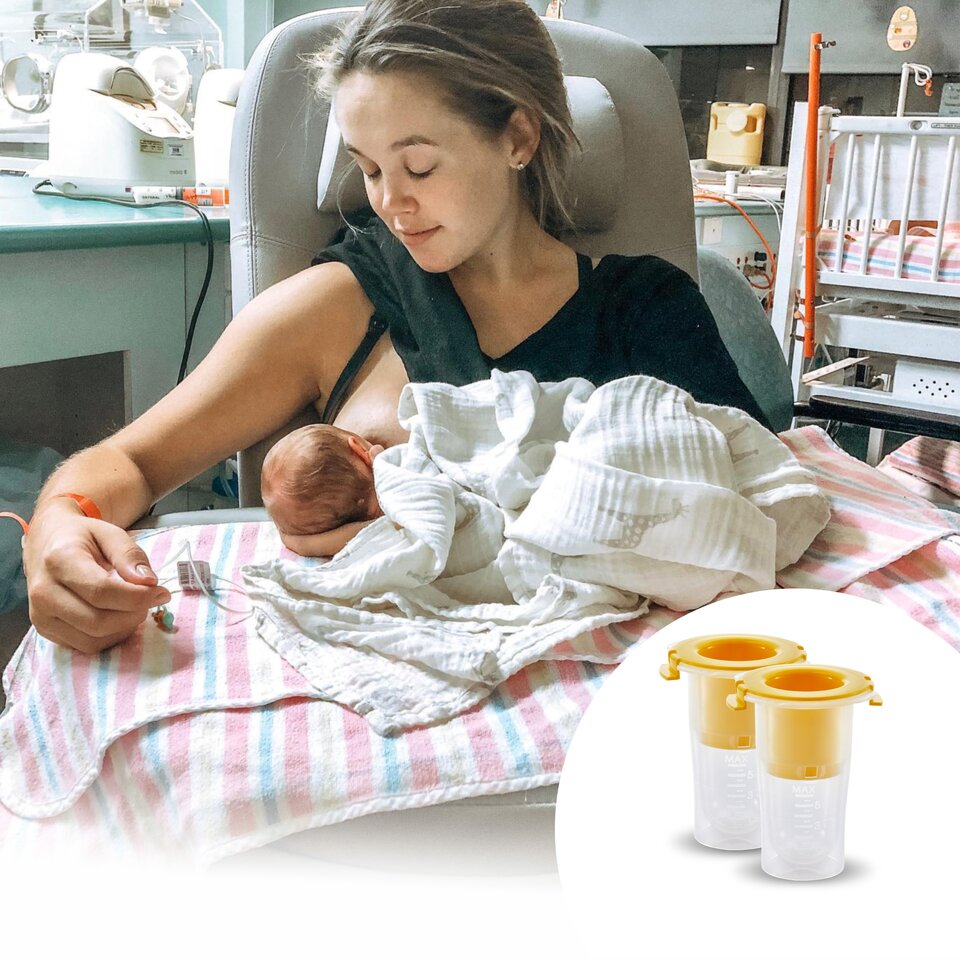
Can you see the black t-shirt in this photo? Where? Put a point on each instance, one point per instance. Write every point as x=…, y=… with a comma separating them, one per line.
x=630, y=315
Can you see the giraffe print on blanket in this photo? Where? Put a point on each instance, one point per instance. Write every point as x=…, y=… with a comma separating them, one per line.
x=636, y=525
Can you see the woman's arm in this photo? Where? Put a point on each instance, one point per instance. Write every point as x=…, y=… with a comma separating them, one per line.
x=281, y=352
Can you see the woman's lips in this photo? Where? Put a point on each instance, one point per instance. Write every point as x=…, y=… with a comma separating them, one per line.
x=415, y=239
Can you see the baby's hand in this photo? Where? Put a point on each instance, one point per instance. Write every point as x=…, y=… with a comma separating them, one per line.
x=323, y=544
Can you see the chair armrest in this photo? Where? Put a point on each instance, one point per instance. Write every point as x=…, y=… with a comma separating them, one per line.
x=192, y=518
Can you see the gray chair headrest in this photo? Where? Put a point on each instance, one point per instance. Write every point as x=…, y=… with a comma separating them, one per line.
x=596, y=174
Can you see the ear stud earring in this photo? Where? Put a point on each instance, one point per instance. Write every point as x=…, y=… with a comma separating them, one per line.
x=520, y=165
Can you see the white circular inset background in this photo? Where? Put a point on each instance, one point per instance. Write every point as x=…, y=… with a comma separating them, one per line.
x=643, y=887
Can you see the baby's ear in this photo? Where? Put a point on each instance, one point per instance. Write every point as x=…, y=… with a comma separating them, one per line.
x=359, y=449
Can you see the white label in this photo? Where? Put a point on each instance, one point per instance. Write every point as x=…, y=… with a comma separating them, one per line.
x=188, y=573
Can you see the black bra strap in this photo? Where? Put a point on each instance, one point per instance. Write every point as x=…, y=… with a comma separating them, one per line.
x=339, y=392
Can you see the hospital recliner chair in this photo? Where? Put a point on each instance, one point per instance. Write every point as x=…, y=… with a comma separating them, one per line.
x=631, y=186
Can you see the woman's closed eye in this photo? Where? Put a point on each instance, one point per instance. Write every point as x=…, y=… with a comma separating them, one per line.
x=417, y=175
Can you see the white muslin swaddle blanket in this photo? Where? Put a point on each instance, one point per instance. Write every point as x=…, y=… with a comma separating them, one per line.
x=522, y=515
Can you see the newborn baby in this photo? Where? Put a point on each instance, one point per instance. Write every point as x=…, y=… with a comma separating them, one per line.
x=317, y=486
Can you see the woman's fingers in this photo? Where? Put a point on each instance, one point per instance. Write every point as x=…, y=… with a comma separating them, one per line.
x=69, y=619
x=123, y=555
x=85, y=575
x=69, y=636
x=78, y=597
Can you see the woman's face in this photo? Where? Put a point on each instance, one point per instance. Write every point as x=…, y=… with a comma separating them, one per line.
x=444, y=188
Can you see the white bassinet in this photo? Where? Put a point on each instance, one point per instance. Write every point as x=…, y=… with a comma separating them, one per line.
x=888, y=269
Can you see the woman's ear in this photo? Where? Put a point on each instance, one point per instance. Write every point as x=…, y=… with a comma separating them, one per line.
x=522, y=136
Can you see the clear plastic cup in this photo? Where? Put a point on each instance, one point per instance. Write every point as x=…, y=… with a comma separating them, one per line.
x=726, y=799
x=804, y=723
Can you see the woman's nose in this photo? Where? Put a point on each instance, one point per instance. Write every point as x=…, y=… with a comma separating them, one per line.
x=396, y=198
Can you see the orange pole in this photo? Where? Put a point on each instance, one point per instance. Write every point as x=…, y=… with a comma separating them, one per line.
x=812, y=190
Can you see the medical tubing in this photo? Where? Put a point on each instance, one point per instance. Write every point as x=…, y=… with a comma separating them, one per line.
x=185, y=548
x=753, y=226
x=810, y=225
x=15, y=516
x=155, y=203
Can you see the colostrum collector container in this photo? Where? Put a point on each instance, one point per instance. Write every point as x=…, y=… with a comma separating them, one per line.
x=804, y=717
x=725, y=796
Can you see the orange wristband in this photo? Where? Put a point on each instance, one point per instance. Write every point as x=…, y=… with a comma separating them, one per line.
x=89, y=508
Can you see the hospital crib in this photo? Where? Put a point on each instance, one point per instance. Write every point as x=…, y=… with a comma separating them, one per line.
x=887, y=270
x=290, y=179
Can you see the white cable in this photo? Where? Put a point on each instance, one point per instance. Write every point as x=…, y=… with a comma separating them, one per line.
x=185, y=547
x=777, y=208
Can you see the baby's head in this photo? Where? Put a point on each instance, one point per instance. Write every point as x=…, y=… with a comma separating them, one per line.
x=318, y=478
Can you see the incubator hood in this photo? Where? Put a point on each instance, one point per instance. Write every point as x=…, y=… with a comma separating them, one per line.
x=109, y=132
x=171, y=43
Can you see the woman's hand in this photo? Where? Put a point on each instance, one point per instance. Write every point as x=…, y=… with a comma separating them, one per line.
x=324, y=544
x=90, y=585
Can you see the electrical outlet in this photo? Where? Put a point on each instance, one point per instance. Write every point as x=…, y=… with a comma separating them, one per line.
x=711, y=230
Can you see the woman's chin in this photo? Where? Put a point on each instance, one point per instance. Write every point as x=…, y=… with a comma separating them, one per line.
x=432, y=262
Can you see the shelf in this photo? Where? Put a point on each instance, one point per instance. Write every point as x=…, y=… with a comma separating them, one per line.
x=871, y=408
x=868, y=326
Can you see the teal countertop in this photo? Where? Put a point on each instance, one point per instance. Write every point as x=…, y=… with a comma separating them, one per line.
x=717, y=208
x=30, y=223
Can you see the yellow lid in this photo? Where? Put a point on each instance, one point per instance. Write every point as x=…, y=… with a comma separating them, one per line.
x=811, y=738
x=731, y=653
x=802, y=685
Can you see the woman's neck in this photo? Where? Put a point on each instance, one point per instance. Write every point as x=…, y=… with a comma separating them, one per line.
x=516, y=254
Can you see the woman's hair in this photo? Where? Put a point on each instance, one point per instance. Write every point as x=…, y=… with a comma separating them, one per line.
x=314, y=482
x=485, y=57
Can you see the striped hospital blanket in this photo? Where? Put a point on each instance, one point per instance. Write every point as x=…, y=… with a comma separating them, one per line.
x=918, y=263
x=204, y=743
x=874, y=520
x=935, y=461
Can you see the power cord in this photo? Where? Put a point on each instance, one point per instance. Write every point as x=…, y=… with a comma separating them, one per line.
x=153, y=203
x=54, y=192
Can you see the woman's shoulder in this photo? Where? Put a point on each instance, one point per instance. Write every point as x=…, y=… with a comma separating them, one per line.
x=633, y=285
x=364, y=239
x=317, y=287
x=615, y=268
x=375, y=258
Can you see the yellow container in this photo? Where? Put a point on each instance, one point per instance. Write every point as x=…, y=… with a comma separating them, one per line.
x=804, y=717
x=736, y=133
x=712, y=663
x=726, y=801
x=807, y=725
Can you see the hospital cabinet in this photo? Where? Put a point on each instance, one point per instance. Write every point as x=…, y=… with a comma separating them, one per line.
x=724, y=230
x=94, y=304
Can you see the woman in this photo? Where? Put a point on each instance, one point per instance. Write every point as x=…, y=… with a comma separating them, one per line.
x=456, y=114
